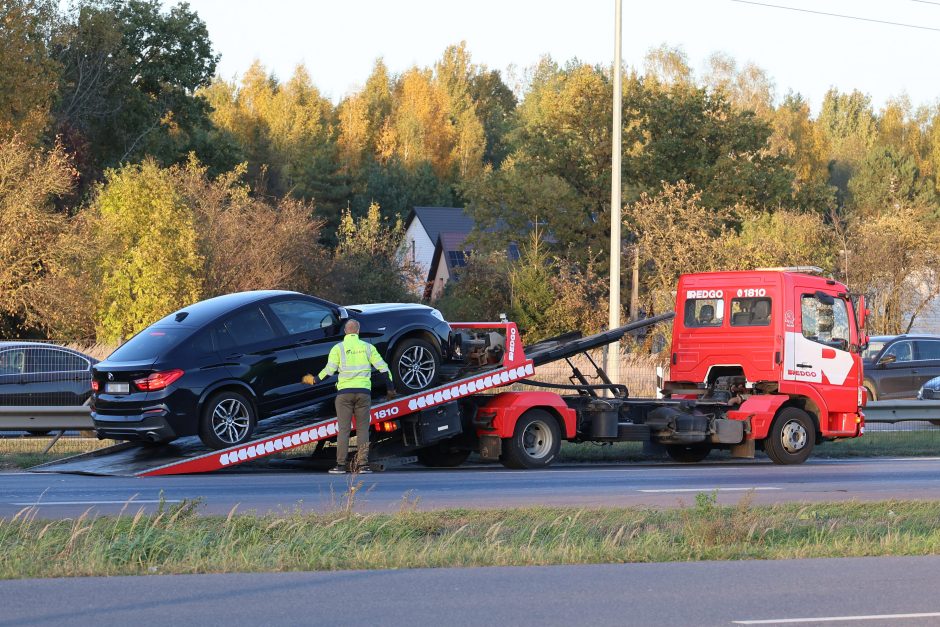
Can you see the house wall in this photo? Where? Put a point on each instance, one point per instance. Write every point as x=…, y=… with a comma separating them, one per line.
x=929, y=319
x=418, y=248
x=440, y=277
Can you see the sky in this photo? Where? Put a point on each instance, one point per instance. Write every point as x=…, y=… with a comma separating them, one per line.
x=339, y=41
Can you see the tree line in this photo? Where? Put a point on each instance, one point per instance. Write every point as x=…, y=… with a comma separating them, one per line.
x=134, y=179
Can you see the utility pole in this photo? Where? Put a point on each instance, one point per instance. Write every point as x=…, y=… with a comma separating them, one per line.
x=613, y=352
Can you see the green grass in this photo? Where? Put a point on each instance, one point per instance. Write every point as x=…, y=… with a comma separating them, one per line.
x=179, y=540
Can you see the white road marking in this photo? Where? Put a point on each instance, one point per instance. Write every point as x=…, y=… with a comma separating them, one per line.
x=125, y=501
x=757, y=488
x=833, y=619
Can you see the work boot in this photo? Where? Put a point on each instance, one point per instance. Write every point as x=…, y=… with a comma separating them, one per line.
x=338, y=470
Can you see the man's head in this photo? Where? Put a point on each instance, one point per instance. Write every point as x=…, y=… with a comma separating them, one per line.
x=351, y=327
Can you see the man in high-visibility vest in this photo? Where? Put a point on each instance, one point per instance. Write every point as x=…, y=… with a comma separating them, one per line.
x=353, y=359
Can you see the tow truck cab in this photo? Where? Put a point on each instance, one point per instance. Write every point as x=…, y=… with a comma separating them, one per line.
x=769, y=339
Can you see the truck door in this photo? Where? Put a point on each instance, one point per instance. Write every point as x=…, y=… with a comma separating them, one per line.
x=817, y=347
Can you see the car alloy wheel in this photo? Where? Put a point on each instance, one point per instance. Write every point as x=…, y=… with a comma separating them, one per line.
x=417, y=367
x=230, y=421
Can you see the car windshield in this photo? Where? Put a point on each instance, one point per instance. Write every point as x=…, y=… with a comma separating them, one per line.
x=150, y=344
x=873, y=349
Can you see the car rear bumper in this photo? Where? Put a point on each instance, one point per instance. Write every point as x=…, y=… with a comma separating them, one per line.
x=149, y=426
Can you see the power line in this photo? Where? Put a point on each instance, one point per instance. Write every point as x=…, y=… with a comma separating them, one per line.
x=848, y=17
x=927, y=2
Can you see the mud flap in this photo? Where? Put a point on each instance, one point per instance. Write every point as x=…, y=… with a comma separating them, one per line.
x=491, y=447
x=743, y=450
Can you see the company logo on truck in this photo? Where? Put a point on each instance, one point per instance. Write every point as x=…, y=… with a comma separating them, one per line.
x=512, y=344
x=704, y=294
x=802, y=373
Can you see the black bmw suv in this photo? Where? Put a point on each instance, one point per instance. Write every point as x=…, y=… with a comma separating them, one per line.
x=215, y=368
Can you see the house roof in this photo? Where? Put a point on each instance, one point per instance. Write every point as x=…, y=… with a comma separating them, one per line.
x=437, y=220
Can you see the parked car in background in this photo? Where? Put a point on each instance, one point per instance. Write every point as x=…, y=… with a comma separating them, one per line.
x=36, y=373
x=215, y=368
x=896, y=366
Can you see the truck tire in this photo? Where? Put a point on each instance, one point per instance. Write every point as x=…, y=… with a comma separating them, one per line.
x=870, y=388
x=792, y=437
x=688, y=453
x=415, y=365
x=534, y=443
x=228, y=419
x=442, y=455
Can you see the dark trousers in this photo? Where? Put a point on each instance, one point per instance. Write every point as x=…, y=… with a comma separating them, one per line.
x=347, y=406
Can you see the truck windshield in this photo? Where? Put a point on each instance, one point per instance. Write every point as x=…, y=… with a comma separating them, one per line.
x=826, y=323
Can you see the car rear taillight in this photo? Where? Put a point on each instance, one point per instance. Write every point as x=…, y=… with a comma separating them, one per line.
x=158, y=380
x=94, y=385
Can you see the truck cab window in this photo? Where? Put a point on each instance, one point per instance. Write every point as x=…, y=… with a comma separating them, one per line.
x=704, y=312
x=825, y=322
x=750, y=312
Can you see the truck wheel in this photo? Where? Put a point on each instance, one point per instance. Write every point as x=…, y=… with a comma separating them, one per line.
x=534, y=443
x=688, y=453
x=228, y=419
x=415, y=365
x=442, y=455
x=792, y=437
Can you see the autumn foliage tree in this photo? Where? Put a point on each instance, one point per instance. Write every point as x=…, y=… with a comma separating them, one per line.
x=150, y=262
x=30, y=182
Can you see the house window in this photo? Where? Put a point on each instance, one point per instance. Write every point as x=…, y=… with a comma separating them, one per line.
x=457, y=258
x=414, y=252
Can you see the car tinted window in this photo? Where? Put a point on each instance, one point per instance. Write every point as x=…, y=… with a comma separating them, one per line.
x=826, y=323
x=13, y=361
x=150, y=344
x=704, y=312
x=903, y=351
x=52, y=360
x=200, y=344
x=244, y=328
x=300, y=316
x=927, y=349
x=750, y=312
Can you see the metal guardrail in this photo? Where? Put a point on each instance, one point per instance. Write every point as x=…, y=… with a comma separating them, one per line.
x=45, y=418
x=77, y=418
x=901, y=411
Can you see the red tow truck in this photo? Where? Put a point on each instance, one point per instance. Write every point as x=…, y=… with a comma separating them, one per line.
x=766, y=359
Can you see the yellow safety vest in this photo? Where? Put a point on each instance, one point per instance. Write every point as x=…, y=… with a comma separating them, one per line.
x=354, y=359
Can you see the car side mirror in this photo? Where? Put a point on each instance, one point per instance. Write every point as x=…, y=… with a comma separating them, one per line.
x=887, y=359
x=343, y=314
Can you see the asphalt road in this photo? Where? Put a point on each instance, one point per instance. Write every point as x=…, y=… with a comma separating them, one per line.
x=59, y=496
x=873, y=591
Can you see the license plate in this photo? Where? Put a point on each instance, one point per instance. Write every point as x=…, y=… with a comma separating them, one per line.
x=117, y=388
